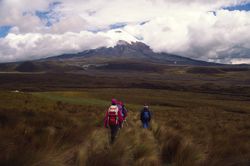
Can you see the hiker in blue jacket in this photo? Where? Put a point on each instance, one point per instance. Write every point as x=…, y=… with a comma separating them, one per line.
x=145, y=116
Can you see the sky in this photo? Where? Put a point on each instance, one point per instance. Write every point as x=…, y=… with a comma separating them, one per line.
x=209, y=30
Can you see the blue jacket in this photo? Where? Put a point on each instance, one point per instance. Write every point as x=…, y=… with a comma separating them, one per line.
x=145, y=115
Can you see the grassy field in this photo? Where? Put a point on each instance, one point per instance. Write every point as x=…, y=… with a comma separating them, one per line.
x=66, y=128
x=217, y=80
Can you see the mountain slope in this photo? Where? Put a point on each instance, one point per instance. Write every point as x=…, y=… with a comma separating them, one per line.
x=126, y=51
x=124, y=56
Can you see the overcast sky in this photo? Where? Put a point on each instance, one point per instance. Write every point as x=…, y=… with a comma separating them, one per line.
x=210, y=30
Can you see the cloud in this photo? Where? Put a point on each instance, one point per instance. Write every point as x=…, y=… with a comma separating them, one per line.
x=19, y=47
x=35, y=45
x=239, y=61
x=200, y=29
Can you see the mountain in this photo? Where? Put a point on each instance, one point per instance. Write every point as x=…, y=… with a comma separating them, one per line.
x=127, y=56
x=134, y=51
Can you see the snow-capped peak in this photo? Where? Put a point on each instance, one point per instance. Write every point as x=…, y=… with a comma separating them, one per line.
x=122, y=42
x=118, y=35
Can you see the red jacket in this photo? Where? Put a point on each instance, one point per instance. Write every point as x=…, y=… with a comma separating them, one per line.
x=120, y=118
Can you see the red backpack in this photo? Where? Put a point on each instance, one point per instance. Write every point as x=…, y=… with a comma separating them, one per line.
x=113, y=115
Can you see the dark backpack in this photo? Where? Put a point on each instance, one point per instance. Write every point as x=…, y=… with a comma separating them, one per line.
x=124, y=111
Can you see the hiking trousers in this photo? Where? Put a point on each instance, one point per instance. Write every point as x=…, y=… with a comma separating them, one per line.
x=145, y=124
x=114, y=129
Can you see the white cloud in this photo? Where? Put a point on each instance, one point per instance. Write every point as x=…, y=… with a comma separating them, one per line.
x=240, y=61
x=35, y=45
x=197, y=35
x=185, y=27
x=18, y=47
x=11, y=11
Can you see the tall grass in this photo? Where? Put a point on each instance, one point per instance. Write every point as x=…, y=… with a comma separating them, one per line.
x=64, y=128
x=138, y=146
x=133, y=146
x=175, y=148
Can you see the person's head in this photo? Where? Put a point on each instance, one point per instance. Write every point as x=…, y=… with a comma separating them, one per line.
x=145, y=106
x=113, y=101
x=120, y=103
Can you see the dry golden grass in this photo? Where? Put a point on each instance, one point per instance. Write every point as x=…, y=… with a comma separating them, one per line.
x=133, y=146
x=66, y=128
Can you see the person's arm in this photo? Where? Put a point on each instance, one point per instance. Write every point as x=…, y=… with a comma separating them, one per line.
x=125, y=112
x=141, y=114
x=149, y=115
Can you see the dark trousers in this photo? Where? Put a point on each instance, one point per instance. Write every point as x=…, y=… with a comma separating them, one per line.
x=114, y=129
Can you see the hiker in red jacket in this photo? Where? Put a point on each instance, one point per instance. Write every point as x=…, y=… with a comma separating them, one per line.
x=113, y=119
